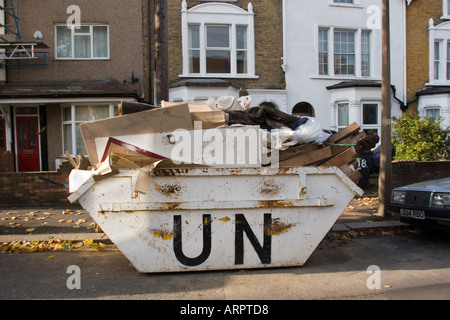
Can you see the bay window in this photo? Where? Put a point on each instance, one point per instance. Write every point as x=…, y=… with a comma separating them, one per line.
x=218, y=41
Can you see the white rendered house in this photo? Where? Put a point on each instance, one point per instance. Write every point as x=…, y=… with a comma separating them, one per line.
x=332, y=60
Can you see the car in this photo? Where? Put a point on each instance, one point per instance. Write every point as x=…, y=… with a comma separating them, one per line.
x=425, y=204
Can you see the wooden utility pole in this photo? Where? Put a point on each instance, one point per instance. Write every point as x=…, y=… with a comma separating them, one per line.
x=162, y=51
x=384, y=181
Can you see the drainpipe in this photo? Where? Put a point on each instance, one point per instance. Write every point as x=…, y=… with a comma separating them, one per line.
x=150, y=91
x=283, y=58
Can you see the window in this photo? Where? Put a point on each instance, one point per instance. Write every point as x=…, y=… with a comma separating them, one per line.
x=347, y=51
x=436, y=59
x=323, y=52
x=218, y=41
x=241, y=48
x=365, y=53
x=439, y=53
x=448, y=61
x=194, y=49
x=218, y=49
x=343, y=116
x=86, y=42
x=343, y=1
x=434, y=113
x=446, y=9
x=2, y=134
x=344, y=52
x=370, y=116
x=72, y=116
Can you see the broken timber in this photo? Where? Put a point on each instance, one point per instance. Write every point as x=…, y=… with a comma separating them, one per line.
x=340, y=150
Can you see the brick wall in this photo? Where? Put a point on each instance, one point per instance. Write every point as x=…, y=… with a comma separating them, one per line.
x=407, y=172
x=418, y=15
x=27, y=189
x=6, y=161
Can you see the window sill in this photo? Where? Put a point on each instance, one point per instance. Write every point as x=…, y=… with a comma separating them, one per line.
x=224, y=76
x=81, y=59
x=343, y=77
x=441, y=84
x=346, y=5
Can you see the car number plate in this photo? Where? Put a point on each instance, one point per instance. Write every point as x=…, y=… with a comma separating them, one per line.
x=415, y=214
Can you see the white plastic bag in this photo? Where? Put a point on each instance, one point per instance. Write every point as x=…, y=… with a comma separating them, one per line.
x=309, y=132
x=226, y=103
x=277, y=138
x=245, y=102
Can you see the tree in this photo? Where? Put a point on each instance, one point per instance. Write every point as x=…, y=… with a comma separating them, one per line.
x=420, y=139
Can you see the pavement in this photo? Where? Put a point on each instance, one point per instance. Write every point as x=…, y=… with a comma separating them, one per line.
x=73, y=223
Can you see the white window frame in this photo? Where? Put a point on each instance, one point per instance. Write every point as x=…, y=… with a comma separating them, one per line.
x=445, y=10
x=354, y=4
x=347, y=104
x=439, y=34
x=429, y=108
x=90, y=34
x=73, y=122
x=376, y=126
x=358, y=53
x=220, y=14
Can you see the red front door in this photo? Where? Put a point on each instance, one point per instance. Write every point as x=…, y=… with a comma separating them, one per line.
x=28, y=158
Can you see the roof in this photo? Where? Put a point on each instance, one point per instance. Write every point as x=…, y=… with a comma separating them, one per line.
x=77, y=89
x=356, y=84
x=433, y=90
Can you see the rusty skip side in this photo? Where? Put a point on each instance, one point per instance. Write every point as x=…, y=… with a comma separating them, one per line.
x=209, y=219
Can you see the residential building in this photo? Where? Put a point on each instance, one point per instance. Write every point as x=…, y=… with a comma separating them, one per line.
x=63, y=63
x=332, y=59
x=226, y=48
x=428, y=56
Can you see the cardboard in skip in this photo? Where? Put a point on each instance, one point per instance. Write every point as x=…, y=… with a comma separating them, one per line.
x=159, y=120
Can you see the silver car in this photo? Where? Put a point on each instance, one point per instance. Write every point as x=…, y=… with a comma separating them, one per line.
x=425, y=204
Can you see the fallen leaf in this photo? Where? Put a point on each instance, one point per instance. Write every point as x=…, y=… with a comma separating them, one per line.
x=50, y=257
x=388, y=286
x=88, y=242
x=30, y=229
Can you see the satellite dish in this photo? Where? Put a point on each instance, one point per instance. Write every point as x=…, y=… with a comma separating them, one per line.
x=38, y=35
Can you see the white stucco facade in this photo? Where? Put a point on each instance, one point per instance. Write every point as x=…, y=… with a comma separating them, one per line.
x=314, y=43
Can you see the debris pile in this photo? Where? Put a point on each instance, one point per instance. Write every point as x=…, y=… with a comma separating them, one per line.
x=217, y=133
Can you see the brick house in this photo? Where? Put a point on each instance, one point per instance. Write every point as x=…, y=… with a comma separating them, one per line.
x=56, y=77
x=226, y=48
x=428, y=53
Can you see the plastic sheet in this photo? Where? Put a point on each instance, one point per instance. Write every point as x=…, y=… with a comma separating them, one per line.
x=310, y=131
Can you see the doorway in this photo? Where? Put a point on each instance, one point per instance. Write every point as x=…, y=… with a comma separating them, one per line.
x=27, y=142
